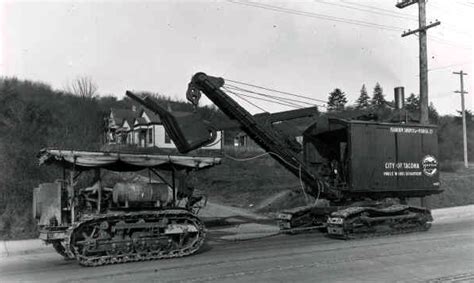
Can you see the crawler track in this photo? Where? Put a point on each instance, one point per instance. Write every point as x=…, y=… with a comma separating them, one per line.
x=367, y=222
x=135, y=236
x=357, y=222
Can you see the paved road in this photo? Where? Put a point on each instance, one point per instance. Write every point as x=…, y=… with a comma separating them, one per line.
x=445, y=253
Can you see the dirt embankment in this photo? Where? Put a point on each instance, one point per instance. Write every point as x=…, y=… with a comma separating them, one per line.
x=246, y=183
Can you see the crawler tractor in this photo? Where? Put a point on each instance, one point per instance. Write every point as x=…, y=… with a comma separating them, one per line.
x=365, y=169
x=126, y=220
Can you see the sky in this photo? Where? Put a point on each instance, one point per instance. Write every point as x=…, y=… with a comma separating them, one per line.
x=303, y=47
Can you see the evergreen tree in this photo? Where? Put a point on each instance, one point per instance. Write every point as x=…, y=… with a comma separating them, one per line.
x=337, y=100
x=378, y=99
x=363, y=100
x=413, y=103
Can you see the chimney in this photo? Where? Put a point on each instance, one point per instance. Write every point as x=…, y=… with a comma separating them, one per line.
x=134, y=108
x=399, y=93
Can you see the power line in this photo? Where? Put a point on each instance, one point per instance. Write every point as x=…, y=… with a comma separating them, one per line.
x=390, y=14
x=393, y=14
x=340, y=19
x=387, y=13
x=279, y=91
x=447, y=42
x=454, y=28
x=469, y=4
x=317, y=16
x=381, y=9
x=447, y=66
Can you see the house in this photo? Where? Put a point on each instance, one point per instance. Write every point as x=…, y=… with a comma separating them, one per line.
x=142, y=128
x=118, y=125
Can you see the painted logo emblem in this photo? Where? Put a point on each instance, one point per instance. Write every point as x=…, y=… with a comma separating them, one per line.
x=430, y=165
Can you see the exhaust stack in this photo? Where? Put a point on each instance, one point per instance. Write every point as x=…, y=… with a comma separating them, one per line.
x=399, y=93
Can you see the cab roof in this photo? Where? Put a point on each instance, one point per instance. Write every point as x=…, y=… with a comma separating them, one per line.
x=116, y=161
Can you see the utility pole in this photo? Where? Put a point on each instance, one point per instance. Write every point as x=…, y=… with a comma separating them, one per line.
x=464, y=135
x=423, y=57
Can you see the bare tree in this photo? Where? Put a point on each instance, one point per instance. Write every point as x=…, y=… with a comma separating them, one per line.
x=83, y=87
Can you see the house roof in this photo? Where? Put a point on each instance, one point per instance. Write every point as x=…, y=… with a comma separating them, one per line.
x=154, y=118
x=125, y=125
x=123, y=114
x=133, y=117
x=139, y=121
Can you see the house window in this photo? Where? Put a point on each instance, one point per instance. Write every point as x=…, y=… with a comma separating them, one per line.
x=167, y=138
x=150, y=136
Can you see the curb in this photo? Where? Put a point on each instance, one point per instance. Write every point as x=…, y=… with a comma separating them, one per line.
x=458, y=212
x=23, y=247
